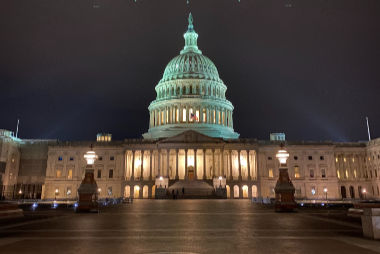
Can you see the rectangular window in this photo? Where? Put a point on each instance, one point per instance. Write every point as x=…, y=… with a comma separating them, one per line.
x=110, y=173
x=68, y=192
x=270, y=173
x=355, y=173
x=60, y=158
x=297, y=172
x=112, y=158
x=214, y=117
x=99, y=173
x=323, y=173
x=204, y=115
x=109, y=191
x=184, y=115
x=167, y=115
x=313, y=191
x=191, y=116
x=70, y=174
x=346, y=175
x=177, y=115
x=71, y=158
x=310, y=158
x=162, y=117
x=338, y=174
x=311, y=172
x=58, y=173
x=197, y=115
x=100, y=158
x=219, y=118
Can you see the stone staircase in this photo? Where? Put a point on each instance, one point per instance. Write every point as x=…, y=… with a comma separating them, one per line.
x=193, y=189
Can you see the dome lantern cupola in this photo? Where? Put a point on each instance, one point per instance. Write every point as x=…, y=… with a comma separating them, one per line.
x=191, y=38
x=191, y=96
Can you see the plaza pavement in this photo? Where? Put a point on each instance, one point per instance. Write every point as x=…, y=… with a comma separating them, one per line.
x=189, y=226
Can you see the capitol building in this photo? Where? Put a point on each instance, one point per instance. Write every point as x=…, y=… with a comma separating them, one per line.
x=190, y=145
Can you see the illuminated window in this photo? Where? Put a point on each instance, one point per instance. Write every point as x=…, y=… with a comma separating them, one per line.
x=177, y=115
x=70, y=174
x=313, y=191
x=60, y=158
x=355, y=173
x=214, y=116
x=323, y=173
x=311, y=172
x=204, y=115
x=223, y=118
x=353, y=159
x=344, y=159
x=58, y=173
x=297, y=172
x=99, y=173
x=191, y=115
x=184, y=115
x=197, y=115
x=338, y=174
x=162, y=117
x=270, y=173
x=346, y=174
x=167, y=115
x=110, y=173
x=336, y=159
x=109, y=191
x=219, y=118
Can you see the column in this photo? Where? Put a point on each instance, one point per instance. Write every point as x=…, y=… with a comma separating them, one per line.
x=213, y=163
x=201, y=114
x=165, y=115
x=248, y=166
x=204, y=164
x=239, y=165
x=133, y=165
x=159, y=162
x=176, y=164
x=187, y=114
x=195, y=164
x=230, y=154
x=150, y=167
x=222, y=157
x=142, y=165
x=167, y=162
x=185, y=164
x=180, y=111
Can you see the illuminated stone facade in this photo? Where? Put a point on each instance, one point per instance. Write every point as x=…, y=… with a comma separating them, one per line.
x=190, y=139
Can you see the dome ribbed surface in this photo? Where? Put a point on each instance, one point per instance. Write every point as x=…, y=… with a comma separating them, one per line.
x=190, y=65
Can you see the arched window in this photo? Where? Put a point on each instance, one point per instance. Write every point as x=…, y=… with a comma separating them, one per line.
x=343, y=192
x=177, y=90
x=191, y=89
x=145, y=191
x=352, y=192
x=236, y=191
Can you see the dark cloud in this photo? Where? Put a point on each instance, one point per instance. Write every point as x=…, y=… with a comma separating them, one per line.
x=69, y=70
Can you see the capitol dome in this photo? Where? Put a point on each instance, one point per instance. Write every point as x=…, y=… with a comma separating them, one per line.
x=191, y=96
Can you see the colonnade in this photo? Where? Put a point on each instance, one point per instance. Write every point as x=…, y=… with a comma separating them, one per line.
x=192, y=163
x=190, y=114
x=174, y=90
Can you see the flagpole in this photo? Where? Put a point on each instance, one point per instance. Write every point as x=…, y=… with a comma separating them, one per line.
x=369, y=133
x=18, y=121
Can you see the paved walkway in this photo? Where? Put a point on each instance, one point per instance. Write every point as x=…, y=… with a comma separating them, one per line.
x=187, y=226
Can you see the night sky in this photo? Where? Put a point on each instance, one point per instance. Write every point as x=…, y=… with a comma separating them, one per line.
x=69, y=70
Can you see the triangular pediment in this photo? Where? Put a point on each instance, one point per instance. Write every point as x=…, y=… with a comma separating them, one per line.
x=191, y=136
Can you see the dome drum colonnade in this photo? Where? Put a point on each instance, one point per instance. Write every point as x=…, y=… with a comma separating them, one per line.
x=191, y=96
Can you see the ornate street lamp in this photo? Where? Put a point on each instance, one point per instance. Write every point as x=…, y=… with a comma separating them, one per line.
x=88, y=189
x=325, y=191
x=284, y=189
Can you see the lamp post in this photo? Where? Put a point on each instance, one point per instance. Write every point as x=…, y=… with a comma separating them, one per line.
x=56, y=193
x=364, y=193
x=88, y=189
x=325, y=191
x=285, y=201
